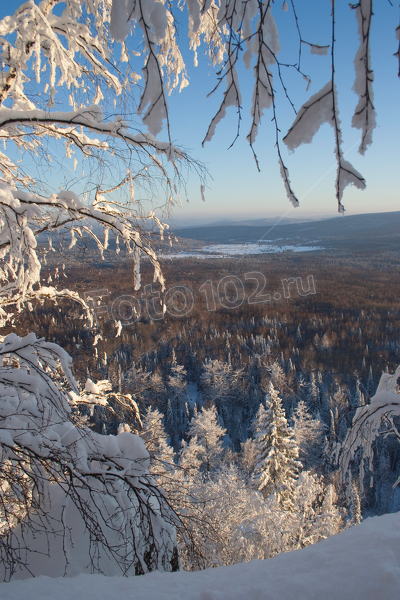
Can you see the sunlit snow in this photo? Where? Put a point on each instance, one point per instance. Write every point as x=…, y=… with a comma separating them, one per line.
x=358, y=564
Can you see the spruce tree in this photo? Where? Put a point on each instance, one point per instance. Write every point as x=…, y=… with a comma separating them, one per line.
x=370, y=384
x=206, y=439
x=308, y=434
x=355, y=505
x=313, y=394
x=277, y=467
x=161, y=454
x=358, y=399
x=177, y=398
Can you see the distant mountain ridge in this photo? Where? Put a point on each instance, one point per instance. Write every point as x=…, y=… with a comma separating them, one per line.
x=194, y=223
x=346, y=229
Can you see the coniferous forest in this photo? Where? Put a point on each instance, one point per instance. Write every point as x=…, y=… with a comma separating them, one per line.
x=240, y=402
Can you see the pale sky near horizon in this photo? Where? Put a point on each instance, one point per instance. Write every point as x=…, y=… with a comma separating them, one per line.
x=235, y=189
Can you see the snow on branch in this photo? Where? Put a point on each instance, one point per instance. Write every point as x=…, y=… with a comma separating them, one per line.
x=370, y=422
x=24, y=216
x=316, y=111
x=72, y=500
x=48, y=57
x=322, y=108
x=364, y=117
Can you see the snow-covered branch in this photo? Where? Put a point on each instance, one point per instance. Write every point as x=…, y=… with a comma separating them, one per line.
x=49, y=57
x=364, y=117
x=368, y=423
x=71, y=499
x=321, y=108
x=24, y=216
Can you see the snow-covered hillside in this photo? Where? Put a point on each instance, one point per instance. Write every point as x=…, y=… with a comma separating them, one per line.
x=361, y=563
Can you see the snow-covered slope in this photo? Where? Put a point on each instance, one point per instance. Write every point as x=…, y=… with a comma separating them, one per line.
x=361, y=563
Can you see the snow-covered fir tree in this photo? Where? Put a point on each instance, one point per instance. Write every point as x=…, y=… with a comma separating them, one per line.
x=313, y=397
x=205, y=440
x=340, y=406
x=358, y=398
x=355, y=505
x=370, y=385
x=279, y=380
x=308, y=432
x=277, y=467
x=161, y=454
x=177, y=399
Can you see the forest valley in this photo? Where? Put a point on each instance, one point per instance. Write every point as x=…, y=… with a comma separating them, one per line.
x=244, y=411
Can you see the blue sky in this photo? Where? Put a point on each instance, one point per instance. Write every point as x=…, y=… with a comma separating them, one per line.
x=235, y=188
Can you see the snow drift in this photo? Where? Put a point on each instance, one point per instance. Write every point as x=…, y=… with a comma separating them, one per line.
x=361, y=563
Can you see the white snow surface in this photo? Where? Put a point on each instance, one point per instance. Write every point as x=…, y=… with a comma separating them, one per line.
x=361, y=563
x=193, y=393
x=251, y=248
x=224, y=250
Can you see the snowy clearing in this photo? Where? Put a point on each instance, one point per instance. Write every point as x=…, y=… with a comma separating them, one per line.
x=223, y=250
x=361, y=563
x=257, y=248
x=188, y=255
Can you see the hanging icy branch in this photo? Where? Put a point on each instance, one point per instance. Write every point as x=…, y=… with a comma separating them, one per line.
x=346, y=173
x=316, y=111
x=364, y=117
x=266, y=46
x=232, y=95
x=321, y=108
x=285, y=176
x=24, y=216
